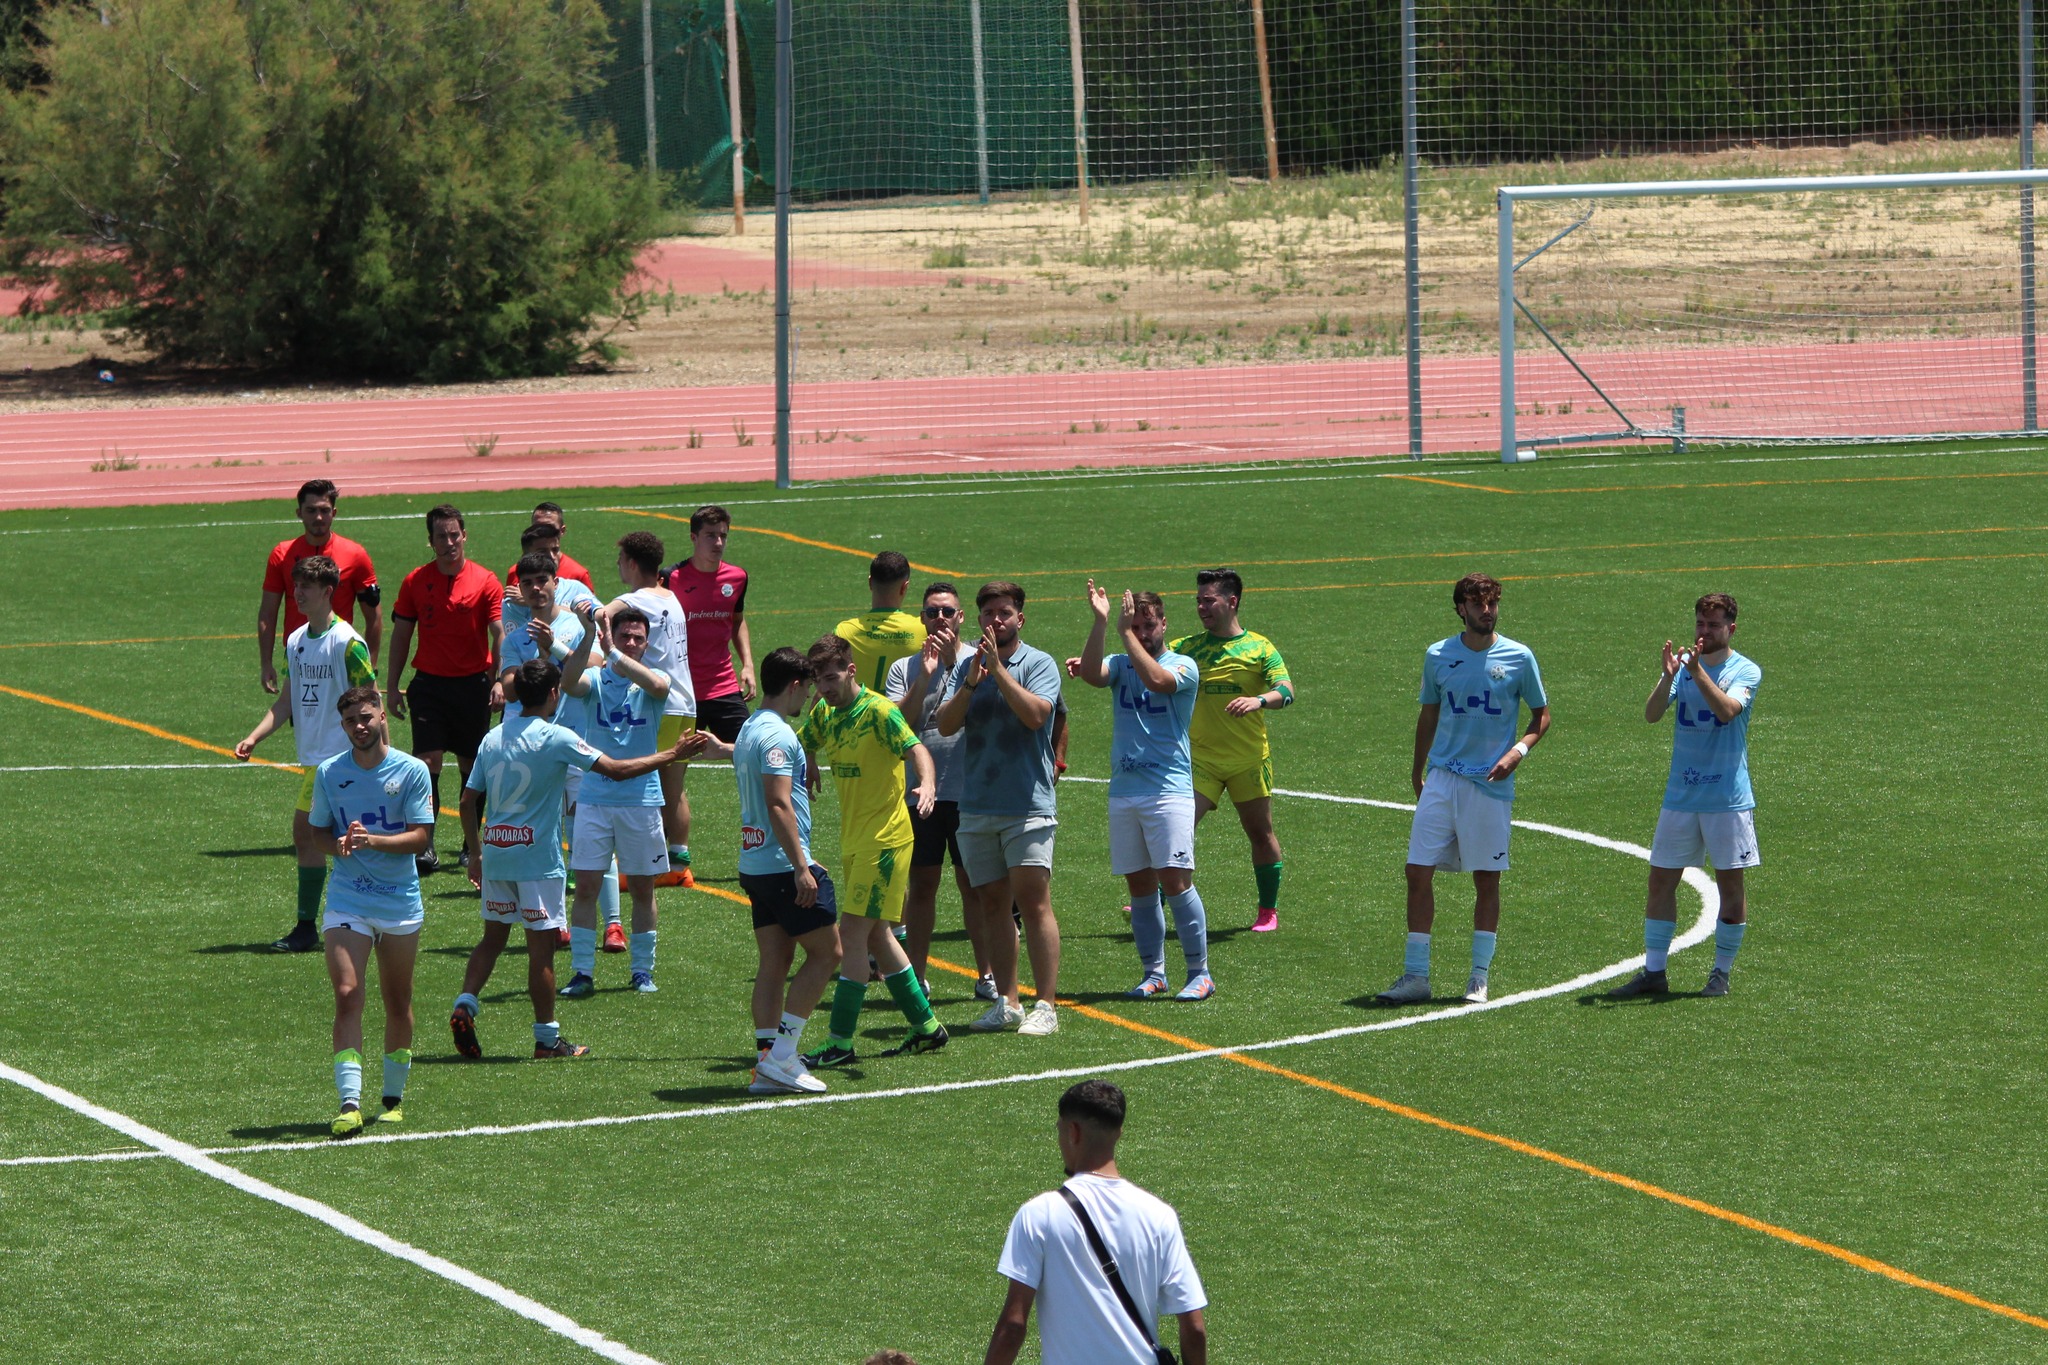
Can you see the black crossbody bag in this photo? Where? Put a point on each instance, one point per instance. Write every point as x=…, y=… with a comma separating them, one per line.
x=1116, y=1281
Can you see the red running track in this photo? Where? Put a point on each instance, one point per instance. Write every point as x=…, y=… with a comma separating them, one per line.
x=1000, y=423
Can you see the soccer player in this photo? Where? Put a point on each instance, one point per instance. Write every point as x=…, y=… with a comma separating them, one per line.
x=1151, y=785
x=458, y=607
x=550, y=514
x=315, y=507
x=792, y=898
x=865, y=739
x=372, y=811
x=541, y=537
x=619, y=820
x=1243, y=677
x=1709, y=809
x=884, y=632
x=323, y=658
x=1474, y=685
x=1003, y=696
x=519, y=775
x=714, y=597
x=668, y=652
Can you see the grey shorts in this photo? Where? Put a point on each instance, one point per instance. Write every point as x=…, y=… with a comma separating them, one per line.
x=990, y=845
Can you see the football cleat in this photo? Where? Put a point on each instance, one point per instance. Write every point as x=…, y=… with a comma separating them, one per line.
x=832, y=1054
x=1042, y=1020
x=303, y=938
x=1644, y=982
x=561, y=1047
x=614, y=938
x=578, y=987
x=784, y=1078
x=1153, y=984
x=462, y=1024
x=1717, y=983
x=1198, y=988
x=427, y=863
x=921, y=1042
x=394, y=1110
x=1266, y=921
x=1475, y=989
x=1410, y=988
x=347, y=1123
x=999, y=1016
x=643, y=982
x=675, y=876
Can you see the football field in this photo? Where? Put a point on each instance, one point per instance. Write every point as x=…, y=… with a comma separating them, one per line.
x=1840, y=1161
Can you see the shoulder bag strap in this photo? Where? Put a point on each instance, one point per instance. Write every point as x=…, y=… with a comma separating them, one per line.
x=1108, y=1264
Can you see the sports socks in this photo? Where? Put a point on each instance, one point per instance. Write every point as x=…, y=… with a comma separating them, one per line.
x=679, y=855
x=546, y=1035
x=1267, y=875
x=643, y=951
x=1727, y=938
x=1191, y=924
x=397, y=1070
x=782, y=1041
x=311, y=881
x=1415, y=959
x=1482, y=951
x=910, y=998
x=1657, y=943
x=1148, y=932
x=608, y=895
x=583, y=950
x=466, y=1001
x=348, y=1076
x=847, y=996
x=764, y=1038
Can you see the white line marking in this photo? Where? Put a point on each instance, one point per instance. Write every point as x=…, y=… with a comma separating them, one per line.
x=144, y=767
x=186, y=1155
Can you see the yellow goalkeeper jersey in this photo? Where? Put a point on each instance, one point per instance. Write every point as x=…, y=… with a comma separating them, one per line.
x=880, y=638
x=1245, y=665
x=865, y=744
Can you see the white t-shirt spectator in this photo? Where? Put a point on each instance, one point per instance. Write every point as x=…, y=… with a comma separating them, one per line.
x=1080, y=1321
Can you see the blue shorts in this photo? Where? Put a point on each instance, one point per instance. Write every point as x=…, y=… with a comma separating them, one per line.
x=773, y=896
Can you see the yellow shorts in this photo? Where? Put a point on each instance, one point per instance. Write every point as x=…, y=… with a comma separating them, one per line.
x=872, y=883
x=674, y=728
x=1246, y=784
x=306, y=791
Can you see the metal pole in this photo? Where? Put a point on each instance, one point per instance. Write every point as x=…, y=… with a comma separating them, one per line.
x=647, y=78
x=1506, y=245
x=1410, y=232
x=1080, y=105
x=785, y=143
x=732, y=103
x=980, y=101
x=1266, y=91
x=2030, y=408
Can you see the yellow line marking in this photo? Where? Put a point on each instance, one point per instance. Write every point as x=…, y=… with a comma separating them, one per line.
x=146, y=729
x=782, y=535
x=142, y=640
x=1475, y=487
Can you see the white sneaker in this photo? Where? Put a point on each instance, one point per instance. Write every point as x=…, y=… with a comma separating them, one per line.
x=784, y=1078
x=985, y=988
x=1475, y=989
x=1410, y=988
x=1000, y=1016
x=1043, y=1019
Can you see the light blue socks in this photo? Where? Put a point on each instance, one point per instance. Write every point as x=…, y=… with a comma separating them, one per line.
x=583, y=951
x=1482, y=951
x=547, y=1035
x=1415, y=961
x=1191, y=924
x=642, y=946
x=1727, y=938
x=1148, y=933
x=1657, y=943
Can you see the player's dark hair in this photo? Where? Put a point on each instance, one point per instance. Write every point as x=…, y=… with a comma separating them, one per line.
x=437, y=515
x=888, y=567
x=711, y=514
x=781, y=668
x=535, y=563
x=1717, y=601
x=932, y=590
x=317, y=569
x=1226, y=579
x=644, y=548
x=1475, y=587
x=999, y=588
x=831, y=648
x=889, y=1357
x=317, y=488
x=1149, y=599
x=1097, y=1104
x=356, y=696
x=534, y=680
x=538, y=532
x=553, y=509
x=628, y=615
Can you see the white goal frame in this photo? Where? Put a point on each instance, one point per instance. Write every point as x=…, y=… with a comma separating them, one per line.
x=1507, y=196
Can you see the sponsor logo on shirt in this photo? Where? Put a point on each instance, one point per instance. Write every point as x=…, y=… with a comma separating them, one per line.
x=752, y=838
x=1695, y=778
x=508, y=836
x=845, y=769
x=778, y=756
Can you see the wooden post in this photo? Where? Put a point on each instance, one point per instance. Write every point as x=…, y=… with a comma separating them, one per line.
x=1266, y=91
x=1080, y=105
x=732, y=99
x=647, y=81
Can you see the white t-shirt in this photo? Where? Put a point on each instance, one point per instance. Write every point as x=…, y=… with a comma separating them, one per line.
x=318, y=669
x=1080, y=1321
x=668, y=646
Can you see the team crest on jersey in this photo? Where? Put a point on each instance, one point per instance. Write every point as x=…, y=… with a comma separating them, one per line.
x=1499, y=672
x=392, y=787
x=725, y=589
x=778, y=756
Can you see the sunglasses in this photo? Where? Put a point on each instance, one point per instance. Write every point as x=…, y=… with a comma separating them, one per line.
x=943, y=613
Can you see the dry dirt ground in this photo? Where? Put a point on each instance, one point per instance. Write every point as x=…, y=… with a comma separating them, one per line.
x=1223, y=273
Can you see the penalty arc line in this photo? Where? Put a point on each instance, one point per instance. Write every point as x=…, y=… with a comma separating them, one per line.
x=191, y=1157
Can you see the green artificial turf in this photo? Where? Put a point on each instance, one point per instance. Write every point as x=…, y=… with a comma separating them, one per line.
x=1874, y=1081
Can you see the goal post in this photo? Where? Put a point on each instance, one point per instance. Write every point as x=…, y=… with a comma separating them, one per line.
x=1782, y=309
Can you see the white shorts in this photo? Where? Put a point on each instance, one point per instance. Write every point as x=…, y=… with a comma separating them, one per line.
x=572, y=782
x=1688, y=838
x=632, y=833
x=373, y=929
x=1147, y=832
x=991, y=845
x=1459, y=828
x=536, y=905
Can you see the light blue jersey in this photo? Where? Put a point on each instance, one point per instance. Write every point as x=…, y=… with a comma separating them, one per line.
x=768, y=747
x=521, y=769
x=1148, y=746
x=568, y=592
x=622, y=722
x=389, y=799
x=1480, y=697
x=570, y=712
x=1710, y=757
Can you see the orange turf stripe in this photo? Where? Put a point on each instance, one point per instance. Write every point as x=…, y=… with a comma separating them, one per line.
x=146, y=729
x=784, y=535
x=1475, y=487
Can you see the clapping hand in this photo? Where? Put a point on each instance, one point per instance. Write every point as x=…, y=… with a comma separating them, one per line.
x=1098, y=601
x=1127, y=614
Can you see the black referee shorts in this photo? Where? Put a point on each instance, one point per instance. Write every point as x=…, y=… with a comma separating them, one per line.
x=934, y=836
x=449, y=715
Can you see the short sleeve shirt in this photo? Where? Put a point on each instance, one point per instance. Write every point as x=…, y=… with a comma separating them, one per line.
x=1710, y=756
x=620, y=721
x=389, y=799
x=520, y=647
x=1009, y=769
x=767, y=747
x=357, y=573
x=712, y=604
x=455, y=612
x=1480, y=697
x=1148, y=747
x=944, y=749
x=880, y=638
x=668, y=646
x=520, y=768
x=1245, y=665
x=864, y=744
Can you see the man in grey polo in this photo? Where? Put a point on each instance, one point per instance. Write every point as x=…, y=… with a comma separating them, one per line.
x=1003, y=699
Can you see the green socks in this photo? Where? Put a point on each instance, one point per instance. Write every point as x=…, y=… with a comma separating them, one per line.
x=1267, y=875
x=847, y=997
x=311, y=881
x=909, y=998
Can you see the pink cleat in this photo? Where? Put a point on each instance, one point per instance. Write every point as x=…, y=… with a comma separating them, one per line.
x=1267, y=922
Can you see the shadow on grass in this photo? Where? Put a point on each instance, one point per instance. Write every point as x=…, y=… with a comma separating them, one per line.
x=278, y=1132
x=1602, y=998
x=285, y=852
x=1376, y=1005
x=264, y=948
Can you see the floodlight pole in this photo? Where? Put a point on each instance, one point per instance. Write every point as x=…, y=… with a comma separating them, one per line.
x=732, y=109
x=1410, y=232
x=647, y=80
x=785, y=143
x=1080, y=106
x=980, y=101
x=1266, y=91
x=2029, y=394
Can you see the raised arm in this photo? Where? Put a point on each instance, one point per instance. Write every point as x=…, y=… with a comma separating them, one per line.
x=625, y=769
x=1660, y=695
x=953, y=711
x=1724, y=706
x=1090, y=669
x=651, y=681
